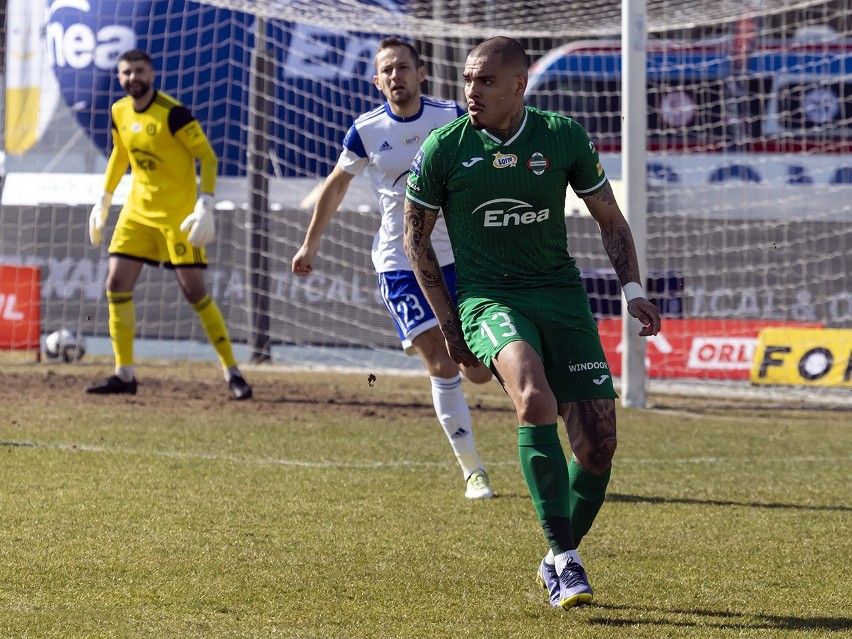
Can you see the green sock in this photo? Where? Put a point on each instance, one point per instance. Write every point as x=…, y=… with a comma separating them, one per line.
x=586, y=496
x=546, y=473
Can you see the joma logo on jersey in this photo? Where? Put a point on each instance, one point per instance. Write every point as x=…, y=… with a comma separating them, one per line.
x=510, y=213
x=502, y=161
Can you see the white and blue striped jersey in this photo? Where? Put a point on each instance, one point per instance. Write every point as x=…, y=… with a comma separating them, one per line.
x=385, y=145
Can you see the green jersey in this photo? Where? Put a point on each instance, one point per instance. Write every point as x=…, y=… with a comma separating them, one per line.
x=504, y=201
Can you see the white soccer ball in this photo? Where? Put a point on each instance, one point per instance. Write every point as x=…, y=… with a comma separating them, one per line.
x=65, y=346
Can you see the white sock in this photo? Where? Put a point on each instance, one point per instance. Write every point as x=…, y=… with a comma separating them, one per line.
x=230, y=372
x=125, y=373
x=548, y=558
x=454, y=415
x=564, y=558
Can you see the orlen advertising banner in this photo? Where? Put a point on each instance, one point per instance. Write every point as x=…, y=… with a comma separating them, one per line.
x=20, y=307
x=803, y=357
x=701, y=348
x=203, y=57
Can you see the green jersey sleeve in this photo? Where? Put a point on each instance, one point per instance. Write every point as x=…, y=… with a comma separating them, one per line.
x=585, y=175
x=427, y=179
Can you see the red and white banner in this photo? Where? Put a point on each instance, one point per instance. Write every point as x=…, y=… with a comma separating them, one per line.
x=20, y=307
x=699, y=348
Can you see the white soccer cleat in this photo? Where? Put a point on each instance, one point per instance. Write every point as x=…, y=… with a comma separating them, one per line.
x=478, y=486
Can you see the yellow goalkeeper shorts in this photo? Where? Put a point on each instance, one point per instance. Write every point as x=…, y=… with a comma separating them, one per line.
x=160, y=243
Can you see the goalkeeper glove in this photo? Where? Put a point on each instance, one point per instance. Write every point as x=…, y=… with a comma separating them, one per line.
x=98, y=218
x=202, y=228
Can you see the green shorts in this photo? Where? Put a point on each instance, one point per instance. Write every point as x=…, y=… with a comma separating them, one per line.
x=557, y=322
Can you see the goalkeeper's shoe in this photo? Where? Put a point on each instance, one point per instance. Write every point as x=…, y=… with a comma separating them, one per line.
x=547, y=578
x=574, y=588
x=478, y=486
x=239, y=387
x=113, y=385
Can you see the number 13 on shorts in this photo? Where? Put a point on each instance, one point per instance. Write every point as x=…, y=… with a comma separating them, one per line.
x=490, y=325
x=500, y=326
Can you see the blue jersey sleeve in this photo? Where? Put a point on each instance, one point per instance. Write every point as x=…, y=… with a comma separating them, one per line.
x=352, y=142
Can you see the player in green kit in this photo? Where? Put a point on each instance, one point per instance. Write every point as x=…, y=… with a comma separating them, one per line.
x=500, y=177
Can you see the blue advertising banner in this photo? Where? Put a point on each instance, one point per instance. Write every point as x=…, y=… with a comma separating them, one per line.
x=779, y=97
x=202, y=56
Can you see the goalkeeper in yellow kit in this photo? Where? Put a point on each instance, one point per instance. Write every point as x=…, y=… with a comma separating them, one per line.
x=163, y=221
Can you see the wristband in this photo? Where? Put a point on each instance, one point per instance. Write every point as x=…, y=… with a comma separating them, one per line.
x=632, y=290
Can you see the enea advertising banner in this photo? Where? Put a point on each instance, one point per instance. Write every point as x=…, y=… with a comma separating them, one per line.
x=803, y=357
x=203, y=57
x=694, y=348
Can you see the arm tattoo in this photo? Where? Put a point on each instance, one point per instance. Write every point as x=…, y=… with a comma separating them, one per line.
x=418, y=225
x=452, y=330
x=617, y=239
x=418, y=247
x=618, y=244
x=606, y=195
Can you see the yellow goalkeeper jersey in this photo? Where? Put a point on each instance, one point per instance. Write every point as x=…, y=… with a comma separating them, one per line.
x=161, y=144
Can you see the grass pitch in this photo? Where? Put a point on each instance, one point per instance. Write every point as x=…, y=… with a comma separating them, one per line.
x=328, y=508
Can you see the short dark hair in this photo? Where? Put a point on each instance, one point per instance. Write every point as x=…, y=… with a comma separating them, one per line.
x=387, y=43
x=511, y=51
x=135, y=55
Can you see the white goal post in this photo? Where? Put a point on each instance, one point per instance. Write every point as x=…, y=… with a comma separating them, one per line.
x=747, y=104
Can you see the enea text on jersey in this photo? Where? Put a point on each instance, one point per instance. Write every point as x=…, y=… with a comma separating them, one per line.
x=508, y=212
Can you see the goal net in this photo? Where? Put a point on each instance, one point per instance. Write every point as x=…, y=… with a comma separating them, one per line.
x=749, y=109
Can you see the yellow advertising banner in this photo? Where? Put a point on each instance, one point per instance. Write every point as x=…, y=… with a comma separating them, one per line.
x=803, y=357
x=32, y=92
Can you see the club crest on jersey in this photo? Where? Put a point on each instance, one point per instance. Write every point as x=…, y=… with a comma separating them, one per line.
x=537, y=163
x=506, y=161
x=151, y=129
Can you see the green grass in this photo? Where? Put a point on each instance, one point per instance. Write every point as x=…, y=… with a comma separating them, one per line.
x=327, y=508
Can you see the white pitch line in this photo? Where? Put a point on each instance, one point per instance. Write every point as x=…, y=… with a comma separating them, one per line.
x=331, y=464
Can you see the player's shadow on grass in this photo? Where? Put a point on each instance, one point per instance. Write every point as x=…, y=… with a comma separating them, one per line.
x=641, y=499
x=719, y=619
